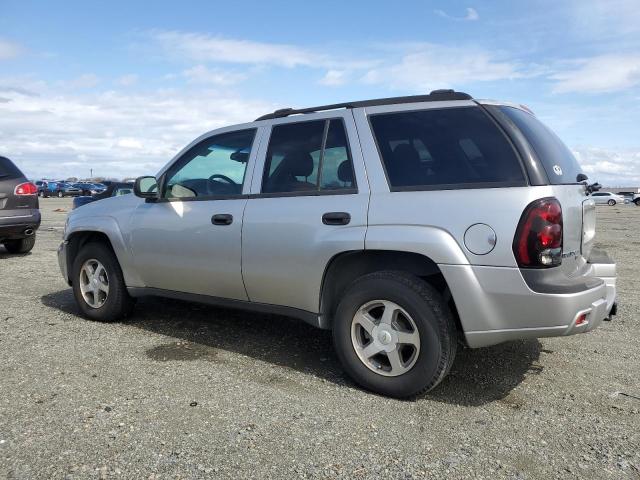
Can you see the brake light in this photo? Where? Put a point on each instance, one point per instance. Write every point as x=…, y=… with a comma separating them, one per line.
x=538, y=240
x=26, y=188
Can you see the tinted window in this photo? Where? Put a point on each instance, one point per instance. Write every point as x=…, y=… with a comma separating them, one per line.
x=445, y=147
x=308, y=157
x=8, y=169
x=337, y=167
x=558, y=161
x=214, y=167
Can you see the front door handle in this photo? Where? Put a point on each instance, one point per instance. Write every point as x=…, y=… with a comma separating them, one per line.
x=222, y=219
x=336, y=218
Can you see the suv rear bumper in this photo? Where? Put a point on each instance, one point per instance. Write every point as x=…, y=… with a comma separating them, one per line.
x=15, y=226
x=495, y=304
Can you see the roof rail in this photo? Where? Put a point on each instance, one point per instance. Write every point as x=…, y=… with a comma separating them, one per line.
x=434, y=96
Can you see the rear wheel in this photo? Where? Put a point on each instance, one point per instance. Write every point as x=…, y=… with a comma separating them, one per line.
x=23, y=245
x=98, y=284
x=394, y=334
x=611, y=202
x=637, y=202
x=60, y=194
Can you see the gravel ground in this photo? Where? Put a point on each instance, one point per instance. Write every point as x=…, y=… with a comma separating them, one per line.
x=190, y=391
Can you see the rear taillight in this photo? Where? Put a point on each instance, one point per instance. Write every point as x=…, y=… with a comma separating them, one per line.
x=26, y=188
x=538, y=240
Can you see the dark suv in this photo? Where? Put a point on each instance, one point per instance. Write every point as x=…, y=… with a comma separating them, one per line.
x=19, y=214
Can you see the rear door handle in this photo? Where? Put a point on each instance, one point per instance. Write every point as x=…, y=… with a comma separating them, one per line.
x=222, y=219
x=336, y=218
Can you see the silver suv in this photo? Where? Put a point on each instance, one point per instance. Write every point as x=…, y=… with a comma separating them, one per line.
x=408, y=226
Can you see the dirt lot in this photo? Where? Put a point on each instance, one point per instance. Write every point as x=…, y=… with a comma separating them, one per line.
x=190, y=391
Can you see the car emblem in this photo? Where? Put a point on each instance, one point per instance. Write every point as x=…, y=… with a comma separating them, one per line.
x=557, y=170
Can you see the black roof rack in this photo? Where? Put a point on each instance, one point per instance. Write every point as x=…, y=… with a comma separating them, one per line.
x=434, y=96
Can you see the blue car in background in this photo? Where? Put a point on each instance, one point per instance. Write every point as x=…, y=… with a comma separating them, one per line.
x=90, y=188
x=47, y=188
x=66, y=189
x=114, y=189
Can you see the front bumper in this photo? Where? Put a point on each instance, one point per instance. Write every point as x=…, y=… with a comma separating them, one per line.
x=495, y=304
x=13, y=227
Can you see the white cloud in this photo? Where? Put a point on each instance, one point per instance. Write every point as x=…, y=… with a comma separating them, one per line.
x=202, y=74
x=202, y=47
x=334, y=78
x=610, y=167
x=127, y=80
x=9, y=49
x=56, y=134
x=429, y=66
x=471, y=15
x=604, y=73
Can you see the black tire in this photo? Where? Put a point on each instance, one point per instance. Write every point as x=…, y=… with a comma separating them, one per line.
x=118, y=303
x=60, y=194
x=23, y=245
x=435, y=325
x=611, y=203
x=637, y=202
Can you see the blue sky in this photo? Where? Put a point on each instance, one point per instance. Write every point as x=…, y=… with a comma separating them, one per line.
x=121, y=86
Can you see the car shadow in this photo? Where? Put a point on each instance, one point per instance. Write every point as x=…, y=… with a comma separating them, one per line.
x=4, y=253
x=477, y=377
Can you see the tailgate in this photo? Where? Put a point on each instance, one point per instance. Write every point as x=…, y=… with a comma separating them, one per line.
x=578, y=230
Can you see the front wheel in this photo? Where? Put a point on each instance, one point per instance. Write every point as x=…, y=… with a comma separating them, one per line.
x=394, y=334
x=611, y=203
x=24, y=245
x=60, y=194
x=98, y=284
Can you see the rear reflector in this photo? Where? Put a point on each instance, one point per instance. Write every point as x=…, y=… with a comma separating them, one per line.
x=581, y=319
x=26, y=188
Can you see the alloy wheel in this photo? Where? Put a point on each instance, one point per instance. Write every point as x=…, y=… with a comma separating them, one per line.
x=94, y=283
x=385, y=338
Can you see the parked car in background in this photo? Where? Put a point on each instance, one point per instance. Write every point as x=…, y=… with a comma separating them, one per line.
x=41, y=184
x=327, y=214
x=19, y=209
x=607, y=198
x=68, y=190
x=90, y=188
x=113, y=190
x=49, y=189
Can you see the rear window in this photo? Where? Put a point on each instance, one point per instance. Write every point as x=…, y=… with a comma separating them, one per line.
x=558, y=161
x=437, y=148
x=8, y=169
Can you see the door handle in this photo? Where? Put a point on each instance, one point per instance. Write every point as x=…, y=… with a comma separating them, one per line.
x=336, y=218
x=222, y=219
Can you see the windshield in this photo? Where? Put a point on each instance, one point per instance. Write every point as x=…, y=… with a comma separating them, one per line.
x=558, y=161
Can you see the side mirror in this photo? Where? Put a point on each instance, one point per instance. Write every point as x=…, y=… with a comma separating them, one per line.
x=146, y=187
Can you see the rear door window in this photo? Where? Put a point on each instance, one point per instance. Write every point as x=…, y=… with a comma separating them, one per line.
x=309, y=157
x=436, y=148
x=558, y=161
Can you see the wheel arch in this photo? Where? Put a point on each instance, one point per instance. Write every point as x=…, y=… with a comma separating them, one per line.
x=346, y=267
x=108, y=234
